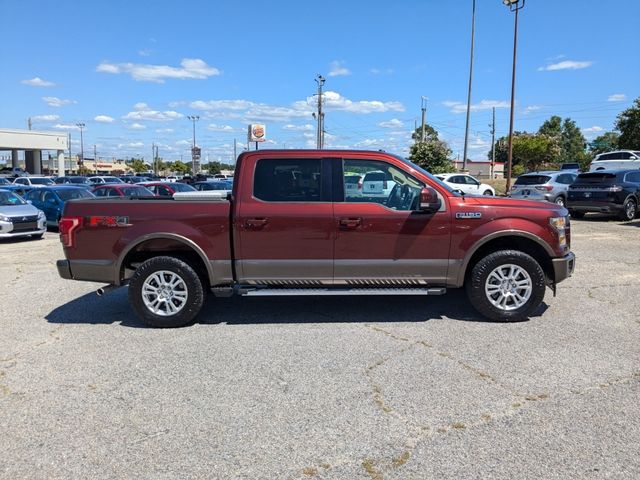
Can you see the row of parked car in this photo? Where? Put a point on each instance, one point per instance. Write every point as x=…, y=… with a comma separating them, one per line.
x=27, y=210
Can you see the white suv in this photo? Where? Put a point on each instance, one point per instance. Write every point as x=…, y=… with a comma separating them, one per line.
x=621, y=159
x=466, y=183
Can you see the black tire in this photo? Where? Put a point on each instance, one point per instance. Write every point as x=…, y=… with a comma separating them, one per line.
x=478, y=280
x=629, y=210
x=487, y=192
x=575, y=214
x=560, y=201
x=188, y=286
x=37, y=236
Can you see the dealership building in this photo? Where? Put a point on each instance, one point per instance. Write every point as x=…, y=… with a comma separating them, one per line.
x=33, y=144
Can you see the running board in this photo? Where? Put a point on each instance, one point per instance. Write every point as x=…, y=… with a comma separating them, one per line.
x=282, y=292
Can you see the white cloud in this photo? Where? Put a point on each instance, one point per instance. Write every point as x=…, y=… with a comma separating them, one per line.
x=219, y=128
x=37, y=82
x=103, y=119
x=338, y=69
x=190, y=68
x=131, y=145
x=45, y=118
x=145, y=52
x=460, y=107
x=592, y=131
x=164, y=130
x=222, y=105
x=142, y=111
x=184, y=143
x=335, y=101
x=137, y=126
x=57, y=102
x=299, y=128
x=566, y=65
x=531, y=108
x=393, y=123
x=617, y=97
x=66, y=126
x=382, y=71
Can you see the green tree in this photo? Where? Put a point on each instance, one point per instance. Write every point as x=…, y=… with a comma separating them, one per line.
x=568, y=136
x=179, y=167
x=430, y=133
x=138, y=165
x=534, y=151
x=432, y=155
x=212, y=167
x=502, y=148
x=628, y=124
x=604, y=143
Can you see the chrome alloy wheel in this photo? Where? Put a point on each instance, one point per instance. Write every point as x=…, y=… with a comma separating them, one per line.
x=508, y=287
x=164, y=293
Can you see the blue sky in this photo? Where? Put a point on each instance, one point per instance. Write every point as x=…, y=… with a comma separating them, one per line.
x=133, y=70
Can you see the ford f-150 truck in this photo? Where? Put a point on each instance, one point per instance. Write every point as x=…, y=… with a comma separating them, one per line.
x=290, y=226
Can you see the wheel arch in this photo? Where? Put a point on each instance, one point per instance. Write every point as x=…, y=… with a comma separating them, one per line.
x=163, y=244
x=513, y=240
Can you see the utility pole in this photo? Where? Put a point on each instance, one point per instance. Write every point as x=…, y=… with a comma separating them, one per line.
x=29, y=123
x=493, y=143
x=423, y=134
x=514, y=6
x=195, y=153
x=81, y=127
x=466, y=130
x=320, y=141
x=95, y=158
x=235, y=150
x=69, y=140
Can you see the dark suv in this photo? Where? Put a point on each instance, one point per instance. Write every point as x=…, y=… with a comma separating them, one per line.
x=607, y=191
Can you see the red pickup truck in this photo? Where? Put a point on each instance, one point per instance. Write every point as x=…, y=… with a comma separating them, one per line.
x=318, y=222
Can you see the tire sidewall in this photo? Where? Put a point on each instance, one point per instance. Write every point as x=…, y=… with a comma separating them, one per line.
x=625, y=216
x=477, y=280
x=195, y=298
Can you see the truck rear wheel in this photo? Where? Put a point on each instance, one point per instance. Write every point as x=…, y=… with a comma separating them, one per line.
x=166, y=292
x=507, y=285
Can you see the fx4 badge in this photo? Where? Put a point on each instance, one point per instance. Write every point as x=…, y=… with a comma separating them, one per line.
x=468, y=215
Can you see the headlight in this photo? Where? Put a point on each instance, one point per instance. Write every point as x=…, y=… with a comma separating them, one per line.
x=40, y=214
x=4, y=218
x=559, y=224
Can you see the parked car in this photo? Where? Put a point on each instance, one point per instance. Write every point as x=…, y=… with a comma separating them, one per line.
x=133, y=179
x=122, y=190
x=551, y=186
x=466, y=184
x=213, y=185
x=18, y=218
x=167, y=189
x=33, y=181
x=74, y=180
x=615, y=192
x=4, y=181
x=618, y=160
x=52, y=199
x=570, y=167
x=352, y=185
x=101, y=180
x=20, y=190
x=14, y=172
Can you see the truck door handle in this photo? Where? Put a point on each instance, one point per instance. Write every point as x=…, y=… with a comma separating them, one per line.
x=350, y=223
x=255, y=223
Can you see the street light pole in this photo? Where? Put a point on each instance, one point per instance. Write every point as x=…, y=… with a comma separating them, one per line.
x=320, y=141
x=194, y=166
x=466, y=130
x=81, y=127
x=514, y=6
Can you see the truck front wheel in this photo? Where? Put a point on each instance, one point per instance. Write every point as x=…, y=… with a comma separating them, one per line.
x=507, y=285
x=166, y=292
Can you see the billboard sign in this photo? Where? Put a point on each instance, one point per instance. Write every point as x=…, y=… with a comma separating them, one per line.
x=257, y=132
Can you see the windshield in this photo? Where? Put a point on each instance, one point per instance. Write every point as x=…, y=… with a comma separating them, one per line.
x=72, y=193
x=41, y=181
x=182, y=187
x=82, y=180
x=112, y=180
x=412, y=165
x=4, y=181
x=136, y=192
x=9, y=198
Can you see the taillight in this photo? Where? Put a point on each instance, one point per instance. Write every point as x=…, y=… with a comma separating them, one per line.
x=67, y=227
x=544, y=188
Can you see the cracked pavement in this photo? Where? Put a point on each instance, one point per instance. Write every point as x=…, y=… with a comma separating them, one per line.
x=323, y=388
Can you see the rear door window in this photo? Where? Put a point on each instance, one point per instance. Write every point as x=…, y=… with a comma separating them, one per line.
x=289, y=180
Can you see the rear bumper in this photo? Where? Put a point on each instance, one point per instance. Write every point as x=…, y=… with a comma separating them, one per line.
x=563, y=267
x=602, y=207
x=87, y=270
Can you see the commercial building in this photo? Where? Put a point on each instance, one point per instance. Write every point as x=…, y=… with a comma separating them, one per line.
x=33, y=143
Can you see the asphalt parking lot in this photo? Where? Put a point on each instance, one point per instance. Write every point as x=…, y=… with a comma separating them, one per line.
x=335, y=388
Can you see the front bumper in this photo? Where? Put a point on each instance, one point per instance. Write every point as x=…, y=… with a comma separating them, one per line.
x=563, y=267
x=11, y=230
